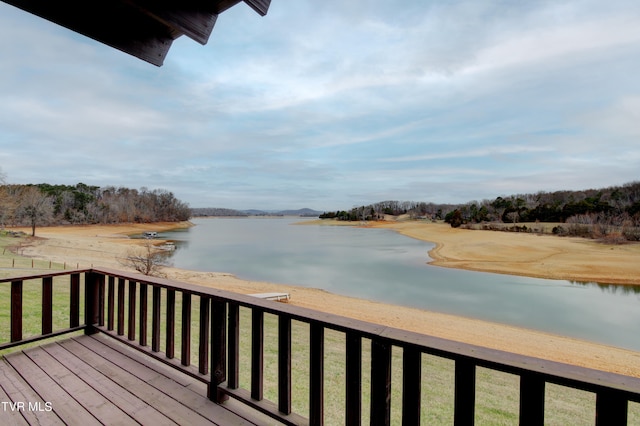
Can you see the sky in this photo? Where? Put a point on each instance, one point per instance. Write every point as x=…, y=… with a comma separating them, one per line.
x=334, y=104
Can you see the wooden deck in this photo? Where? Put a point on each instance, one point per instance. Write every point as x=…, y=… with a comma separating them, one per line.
x=121, y=371
x=94, y=379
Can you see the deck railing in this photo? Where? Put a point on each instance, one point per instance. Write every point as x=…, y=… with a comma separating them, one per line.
x=117, y=303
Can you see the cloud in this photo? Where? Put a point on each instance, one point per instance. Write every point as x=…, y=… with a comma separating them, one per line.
x=334, y=103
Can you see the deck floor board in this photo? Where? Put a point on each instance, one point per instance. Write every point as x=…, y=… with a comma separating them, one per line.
x=111, y=390
x=91, y=380
x=63, y=403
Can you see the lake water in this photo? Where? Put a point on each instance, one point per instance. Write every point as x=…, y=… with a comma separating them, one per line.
x=380, y=264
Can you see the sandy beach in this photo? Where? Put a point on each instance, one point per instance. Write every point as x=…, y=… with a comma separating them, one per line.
x=510, y=253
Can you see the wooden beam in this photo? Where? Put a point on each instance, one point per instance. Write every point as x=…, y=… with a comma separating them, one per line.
x=260, y=6
x=111, y=22
x=142, y=28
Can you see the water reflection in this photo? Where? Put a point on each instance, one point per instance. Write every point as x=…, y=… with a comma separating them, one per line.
x=627, y=289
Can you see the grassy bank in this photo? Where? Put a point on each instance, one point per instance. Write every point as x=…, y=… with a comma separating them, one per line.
x=11, y=258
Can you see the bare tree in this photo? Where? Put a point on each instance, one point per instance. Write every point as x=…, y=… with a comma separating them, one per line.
x=35, y=207
x=146, y=259
x=513, y=216
x=5, y=200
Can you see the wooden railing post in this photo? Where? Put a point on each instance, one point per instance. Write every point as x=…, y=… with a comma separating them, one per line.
x=284, y=364
x=203, y=341
x=234, y=346
x=353, y=379
x=611, y=408
x=185, y=347
x=465, y=392
x=531, y=400
x=16, y=311
x=155, y=319
x=171, y=323
x=47, y=305
x=91, y=302
x=218, y=350
x=380, y=382
x=100, y=281
x=411, y=386
x=111, y=303
x=121, y=285
x=316, y=374
x=257, y=353
x=144, y=291
x=74, y=302
x=131, y=318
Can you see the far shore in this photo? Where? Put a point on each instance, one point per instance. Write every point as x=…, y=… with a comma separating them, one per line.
x=531, y=255
x=509, y=253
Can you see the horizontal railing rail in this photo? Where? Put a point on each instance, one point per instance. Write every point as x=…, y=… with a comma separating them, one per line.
x=121, y=305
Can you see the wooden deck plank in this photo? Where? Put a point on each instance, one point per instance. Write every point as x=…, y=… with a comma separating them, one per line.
x=88, y=397
x=197, y=401
x=135, y=407
x=97, y=380
x=250, y=416
x=9, y=413
x=17, y=389
x=158, y=367
x=67, y=408
x=124, y=371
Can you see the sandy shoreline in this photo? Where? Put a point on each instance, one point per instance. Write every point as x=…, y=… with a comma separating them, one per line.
x=520, y=254
x=539, y=256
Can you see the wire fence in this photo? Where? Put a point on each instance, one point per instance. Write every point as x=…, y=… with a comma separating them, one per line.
x=7, y=261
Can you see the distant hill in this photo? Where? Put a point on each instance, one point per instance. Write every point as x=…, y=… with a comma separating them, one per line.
x=215, y=211
x=222, y=212
x=301, y=212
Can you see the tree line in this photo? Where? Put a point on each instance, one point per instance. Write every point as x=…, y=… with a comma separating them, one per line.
x=46, y=204
x=612, y=212
x=377, y=211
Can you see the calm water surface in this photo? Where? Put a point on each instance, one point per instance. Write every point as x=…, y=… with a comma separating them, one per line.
x=379, y=264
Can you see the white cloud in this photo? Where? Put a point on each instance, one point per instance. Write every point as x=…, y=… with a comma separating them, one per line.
x=323, y=101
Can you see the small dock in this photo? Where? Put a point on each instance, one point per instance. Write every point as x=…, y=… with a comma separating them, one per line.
x=278, y=297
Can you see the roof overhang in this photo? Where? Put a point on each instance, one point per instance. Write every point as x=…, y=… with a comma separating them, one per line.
x=142, y=28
